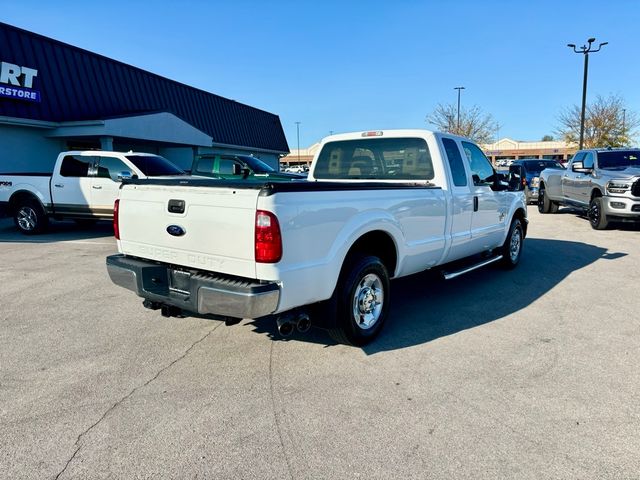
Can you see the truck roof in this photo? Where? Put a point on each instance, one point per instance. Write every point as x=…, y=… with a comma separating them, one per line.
x=408, y=132
x=106, y=153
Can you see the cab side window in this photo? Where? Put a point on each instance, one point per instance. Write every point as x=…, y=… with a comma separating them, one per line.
x=579, y=157
x=226, y=166
x=455, y=162
x=75, y=166
x=588, y=160
x=205, y=165
x=110, y=167
x=481, y=169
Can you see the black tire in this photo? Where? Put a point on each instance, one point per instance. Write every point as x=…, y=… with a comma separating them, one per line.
x=512, y=247
x=597, y=218
x=362, y=301
x=29, y=217
x=544, y=204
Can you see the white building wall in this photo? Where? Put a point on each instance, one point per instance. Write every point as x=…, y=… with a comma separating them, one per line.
x=26, y=149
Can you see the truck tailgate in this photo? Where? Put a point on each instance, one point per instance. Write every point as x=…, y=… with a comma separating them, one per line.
x=216, y=226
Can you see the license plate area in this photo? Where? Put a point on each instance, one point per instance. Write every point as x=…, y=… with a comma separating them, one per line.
x=180, y=282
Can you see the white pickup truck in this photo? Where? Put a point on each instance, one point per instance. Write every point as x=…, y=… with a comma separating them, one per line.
x=377, y=205
x=83, y=186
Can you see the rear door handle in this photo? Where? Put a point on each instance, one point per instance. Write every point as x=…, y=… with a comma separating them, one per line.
x=59, y=185
x=97, y=187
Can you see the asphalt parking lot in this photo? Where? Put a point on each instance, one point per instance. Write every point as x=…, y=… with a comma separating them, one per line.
x=532, y=373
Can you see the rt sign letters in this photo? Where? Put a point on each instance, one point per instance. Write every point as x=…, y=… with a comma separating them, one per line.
x=17, y=82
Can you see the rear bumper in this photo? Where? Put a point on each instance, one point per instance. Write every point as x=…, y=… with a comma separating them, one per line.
x=197, y=292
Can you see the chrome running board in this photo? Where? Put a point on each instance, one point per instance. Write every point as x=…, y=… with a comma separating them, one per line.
x=457, y=273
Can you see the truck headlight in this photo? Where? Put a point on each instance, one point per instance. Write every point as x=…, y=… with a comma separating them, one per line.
x=535, y=181
x=618, y=186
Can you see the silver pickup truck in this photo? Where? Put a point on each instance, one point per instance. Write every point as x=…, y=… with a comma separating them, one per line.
x=605, y=183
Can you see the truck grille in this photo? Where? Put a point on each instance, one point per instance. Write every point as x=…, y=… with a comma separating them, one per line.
x=635, y=188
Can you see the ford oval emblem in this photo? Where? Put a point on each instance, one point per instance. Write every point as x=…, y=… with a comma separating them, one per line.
x=176, y=230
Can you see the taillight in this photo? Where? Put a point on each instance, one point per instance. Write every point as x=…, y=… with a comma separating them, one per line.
x=116, y=228
x=268, y=240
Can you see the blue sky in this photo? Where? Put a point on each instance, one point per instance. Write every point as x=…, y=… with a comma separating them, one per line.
x=342, y=66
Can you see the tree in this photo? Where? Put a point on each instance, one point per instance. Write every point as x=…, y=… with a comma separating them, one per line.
x=607, y=123
x=474, y=123
x=547, y=138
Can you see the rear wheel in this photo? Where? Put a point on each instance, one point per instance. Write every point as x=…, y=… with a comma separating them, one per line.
x=362, y=301
x=544, y=204
x=597, y=218
x=29, y=217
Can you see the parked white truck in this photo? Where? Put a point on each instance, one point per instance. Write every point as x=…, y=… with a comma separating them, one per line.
x=377, y=205
x=83, y=186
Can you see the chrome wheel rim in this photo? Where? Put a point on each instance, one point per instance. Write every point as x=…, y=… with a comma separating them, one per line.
x=515, y=245
x=367, y=301
x=27, y=218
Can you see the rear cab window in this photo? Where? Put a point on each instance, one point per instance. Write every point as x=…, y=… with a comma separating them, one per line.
x=407, y=159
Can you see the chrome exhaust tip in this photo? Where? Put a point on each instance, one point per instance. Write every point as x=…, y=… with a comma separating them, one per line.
x=285, y=327
x=303, y=323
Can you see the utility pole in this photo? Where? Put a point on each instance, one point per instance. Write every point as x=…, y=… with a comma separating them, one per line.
x=458, y=89
x=585, y=50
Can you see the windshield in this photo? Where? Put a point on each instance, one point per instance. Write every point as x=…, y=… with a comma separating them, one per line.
x=536, y=166
x=258, y=166
x=619, y=160
x=154, y=165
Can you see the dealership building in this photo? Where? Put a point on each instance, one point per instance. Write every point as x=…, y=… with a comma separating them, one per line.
x=56, y=97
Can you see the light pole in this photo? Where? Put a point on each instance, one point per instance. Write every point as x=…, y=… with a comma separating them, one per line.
x=585, y=50
x=298, y=135
x=624, y=133
x=458, y=88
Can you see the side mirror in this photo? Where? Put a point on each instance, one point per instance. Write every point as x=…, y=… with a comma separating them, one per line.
x=516, y=178
x=500, y=183
x=579, y=167
x=125, y=175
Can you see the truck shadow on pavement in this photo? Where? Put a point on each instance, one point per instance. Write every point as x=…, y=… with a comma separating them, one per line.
x=62, y=231
x=425, y=307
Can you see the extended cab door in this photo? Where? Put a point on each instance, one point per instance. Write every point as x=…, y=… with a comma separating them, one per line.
x=569, y=177
x=462, y=202
x=489, y=206
x=582, y=181
x=106, y=183
x=71, y=185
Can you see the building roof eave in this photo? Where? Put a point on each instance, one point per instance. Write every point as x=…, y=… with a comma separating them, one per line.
x=159, y=127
